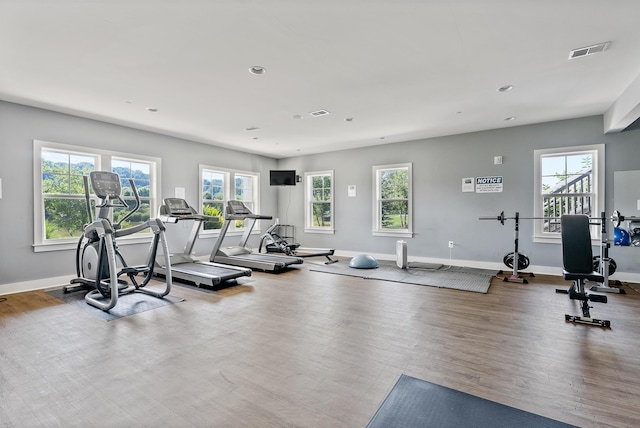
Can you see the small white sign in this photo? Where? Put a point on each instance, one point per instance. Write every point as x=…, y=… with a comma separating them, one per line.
x=179, y=193
x=351, y=190
x=488, y=184
x=468, y=184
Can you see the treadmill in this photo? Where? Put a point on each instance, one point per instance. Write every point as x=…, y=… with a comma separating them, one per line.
x=186, y=266
x=274, y=243
x=241, y=255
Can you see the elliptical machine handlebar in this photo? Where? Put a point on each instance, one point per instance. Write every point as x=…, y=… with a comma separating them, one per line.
x=107, y=187
x=118, y=225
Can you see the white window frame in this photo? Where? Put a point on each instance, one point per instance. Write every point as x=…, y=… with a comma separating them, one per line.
x=377, y=202
x=597, y=151
x=230, y=191
x=308, y=206
x=103, y=162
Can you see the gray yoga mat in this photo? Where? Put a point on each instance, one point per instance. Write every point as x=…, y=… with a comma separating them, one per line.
x=130, y=304
x=434, y=275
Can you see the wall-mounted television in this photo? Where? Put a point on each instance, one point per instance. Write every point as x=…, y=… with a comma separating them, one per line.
x=282, y=177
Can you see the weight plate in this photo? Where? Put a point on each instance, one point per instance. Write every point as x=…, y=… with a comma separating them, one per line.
x=523, y=261
x=612, y=265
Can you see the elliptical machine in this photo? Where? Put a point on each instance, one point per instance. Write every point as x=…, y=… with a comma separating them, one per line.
x=97, y=253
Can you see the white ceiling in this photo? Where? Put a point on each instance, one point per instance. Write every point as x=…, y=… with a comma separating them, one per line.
x=401, y=69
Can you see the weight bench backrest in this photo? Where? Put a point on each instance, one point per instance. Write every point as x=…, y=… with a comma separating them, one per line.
x=577, y=256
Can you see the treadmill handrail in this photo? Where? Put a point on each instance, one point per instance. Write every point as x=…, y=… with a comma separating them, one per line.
x=245, y=216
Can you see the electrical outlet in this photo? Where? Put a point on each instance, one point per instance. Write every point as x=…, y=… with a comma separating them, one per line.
x=450, y=244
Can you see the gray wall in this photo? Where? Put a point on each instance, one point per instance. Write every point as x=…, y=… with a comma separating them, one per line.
x=442, y=212
x=20, y=125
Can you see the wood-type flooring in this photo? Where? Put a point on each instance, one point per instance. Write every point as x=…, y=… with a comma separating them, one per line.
x=310, y=349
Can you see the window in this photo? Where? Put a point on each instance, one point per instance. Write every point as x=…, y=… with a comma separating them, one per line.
x=318, y=209
x=213, y=196
x=392, y=214
x=567, y=181
x=219, y=186
x=59, y=194
x=62, y=193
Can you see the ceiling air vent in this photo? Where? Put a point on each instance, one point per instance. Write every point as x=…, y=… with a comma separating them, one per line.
x=588, y=50
x=319, y=113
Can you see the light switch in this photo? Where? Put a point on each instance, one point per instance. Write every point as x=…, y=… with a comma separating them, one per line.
x=497, y=160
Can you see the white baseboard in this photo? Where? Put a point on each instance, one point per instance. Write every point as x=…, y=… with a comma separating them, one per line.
x=36, y=284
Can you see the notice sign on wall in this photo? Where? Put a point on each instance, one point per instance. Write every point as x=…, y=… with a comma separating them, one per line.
x=488, y=184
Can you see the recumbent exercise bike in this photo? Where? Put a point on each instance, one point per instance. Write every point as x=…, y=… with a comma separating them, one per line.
x=97, y=253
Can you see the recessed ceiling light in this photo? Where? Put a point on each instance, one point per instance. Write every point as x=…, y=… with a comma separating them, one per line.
x=255, y=138
x=505, y=88
x=251, y=128
x=348, y=119
x=298, y=116
x=383, y=138
x=510, y=118
x=152, y=109
x=256, y=69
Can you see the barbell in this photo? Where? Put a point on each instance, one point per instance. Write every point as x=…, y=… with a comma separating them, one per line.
x=616, y=218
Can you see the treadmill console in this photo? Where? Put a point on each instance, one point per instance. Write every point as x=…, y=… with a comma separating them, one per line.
x=237, y=208
x=177, y=207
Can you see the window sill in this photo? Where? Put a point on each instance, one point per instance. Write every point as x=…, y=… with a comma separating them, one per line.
x=398, y=234
x=558, y=240
x=321, y=231
x=72, y=245
x=215, y=234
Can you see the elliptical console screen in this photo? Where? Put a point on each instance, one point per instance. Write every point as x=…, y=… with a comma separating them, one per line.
x=105, y=184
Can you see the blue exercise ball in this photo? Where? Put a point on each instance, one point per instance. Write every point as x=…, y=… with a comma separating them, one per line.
x=621, y=237
x=363, y=261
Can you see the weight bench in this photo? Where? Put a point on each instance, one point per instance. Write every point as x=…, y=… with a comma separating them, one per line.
x=577, y=260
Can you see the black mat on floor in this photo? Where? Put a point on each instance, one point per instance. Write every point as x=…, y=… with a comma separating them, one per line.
x=417, y=403
x=130, y=304
x=212, y=289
